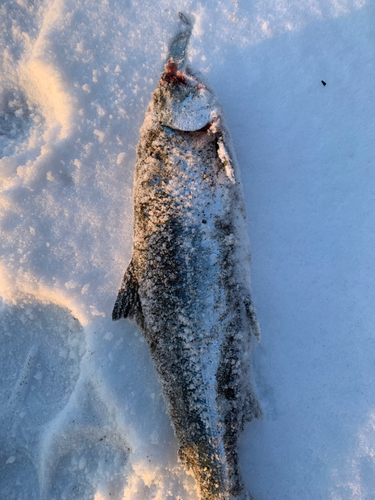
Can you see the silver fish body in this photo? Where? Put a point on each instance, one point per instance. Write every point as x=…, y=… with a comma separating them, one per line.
x=187, y=285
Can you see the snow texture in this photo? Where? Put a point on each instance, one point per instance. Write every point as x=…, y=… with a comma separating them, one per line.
x=75, y=82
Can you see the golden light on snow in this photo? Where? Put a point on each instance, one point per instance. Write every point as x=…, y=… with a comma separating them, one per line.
x=44, y=86
x=26, y=288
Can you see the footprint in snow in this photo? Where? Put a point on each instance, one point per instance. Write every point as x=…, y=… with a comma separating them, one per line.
x=41, y=350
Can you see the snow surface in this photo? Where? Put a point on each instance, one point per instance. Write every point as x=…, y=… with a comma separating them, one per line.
x=81, y=412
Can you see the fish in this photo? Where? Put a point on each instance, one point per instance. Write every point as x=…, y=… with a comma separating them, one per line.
x=188, y=282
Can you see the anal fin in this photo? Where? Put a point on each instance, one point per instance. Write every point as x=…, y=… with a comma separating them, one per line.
x=128, y=303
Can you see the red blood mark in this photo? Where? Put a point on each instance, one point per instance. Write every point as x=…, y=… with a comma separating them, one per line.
x=206, y=127
x=172, y=74
x=171, y=67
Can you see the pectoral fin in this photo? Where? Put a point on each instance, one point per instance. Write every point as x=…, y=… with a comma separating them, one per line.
x=225, y=159
x=128, y=303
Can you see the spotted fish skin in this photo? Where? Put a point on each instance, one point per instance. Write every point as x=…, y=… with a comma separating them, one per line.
x=188, y=283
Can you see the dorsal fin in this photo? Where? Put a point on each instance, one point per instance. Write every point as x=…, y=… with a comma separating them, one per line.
x=128, y=303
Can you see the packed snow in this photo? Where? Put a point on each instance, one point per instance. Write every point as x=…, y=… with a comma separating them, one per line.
x=81, y=410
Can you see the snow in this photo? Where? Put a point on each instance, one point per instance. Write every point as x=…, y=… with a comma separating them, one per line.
x=75, y=81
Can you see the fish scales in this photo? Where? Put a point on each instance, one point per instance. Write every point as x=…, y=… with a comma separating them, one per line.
x=187, y=285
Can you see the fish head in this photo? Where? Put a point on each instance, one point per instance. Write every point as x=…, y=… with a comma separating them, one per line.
x=183, y=102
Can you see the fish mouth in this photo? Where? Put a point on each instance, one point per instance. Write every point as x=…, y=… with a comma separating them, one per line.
x=177, y=50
